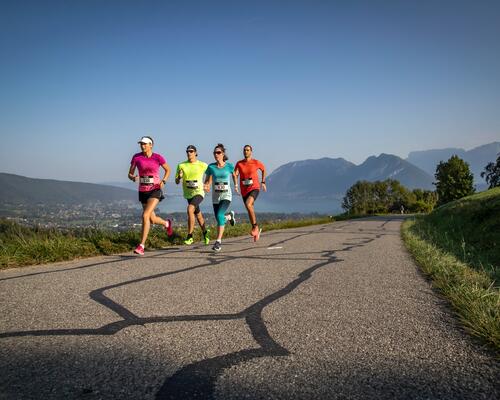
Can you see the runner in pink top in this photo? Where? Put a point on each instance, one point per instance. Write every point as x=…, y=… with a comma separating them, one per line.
x=150, y=187
x=149, y=171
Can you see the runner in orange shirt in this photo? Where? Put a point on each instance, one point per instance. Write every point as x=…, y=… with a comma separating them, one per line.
x=247, y=169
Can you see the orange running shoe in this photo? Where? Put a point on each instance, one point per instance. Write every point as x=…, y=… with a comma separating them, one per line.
x=254, y=230
x=257, y=235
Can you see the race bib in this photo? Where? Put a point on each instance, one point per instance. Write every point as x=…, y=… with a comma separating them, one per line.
x=147, y=180
x=192, y=184
x=221, y=186
x=247, y=182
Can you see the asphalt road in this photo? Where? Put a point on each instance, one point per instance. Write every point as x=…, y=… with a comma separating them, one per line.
x=336, y=311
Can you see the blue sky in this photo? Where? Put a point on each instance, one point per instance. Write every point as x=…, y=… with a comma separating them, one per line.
x=81, y=81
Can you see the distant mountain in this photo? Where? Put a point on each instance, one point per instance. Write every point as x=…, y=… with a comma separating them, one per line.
x=331, y=177
x=16, y=189
x=311, y=177
x=477, y=158
x=388, y=166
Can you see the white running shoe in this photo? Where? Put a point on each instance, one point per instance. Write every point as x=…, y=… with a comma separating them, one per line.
x=216, y=246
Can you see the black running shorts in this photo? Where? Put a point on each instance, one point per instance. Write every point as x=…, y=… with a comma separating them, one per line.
x=154, y=194
x=196, y=201
x=254, y=193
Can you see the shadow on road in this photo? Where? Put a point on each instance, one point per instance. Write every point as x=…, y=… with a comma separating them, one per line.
x=68, y=369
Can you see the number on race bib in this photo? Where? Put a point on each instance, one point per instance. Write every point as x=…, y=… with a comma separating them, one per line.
x=221, y=186
x=147, y=180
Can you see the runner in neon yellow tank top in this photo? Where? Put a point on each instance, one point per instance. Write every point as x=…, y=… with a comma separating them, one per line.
x=191, y=173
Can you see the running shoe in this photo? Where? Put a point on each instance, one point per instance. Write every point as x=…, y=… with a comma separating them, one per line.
x=169, y=228
x=139, y=250
x=257, y=235
x=206, y=237
x=232, y=221
x=217, y=246
x=254, y=230
x=189, y=241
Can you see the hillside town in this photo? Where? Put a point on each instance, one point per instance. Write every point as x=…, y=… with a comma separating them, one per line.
x=116, y=216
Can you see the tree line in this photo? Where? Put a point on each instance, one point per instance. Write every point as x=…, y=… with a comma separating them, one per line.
x=387, y=196
x=454, y=180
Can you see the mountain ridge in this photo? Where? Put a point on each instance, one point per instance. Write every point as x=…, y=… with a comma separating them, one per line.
x=17, y=189
x=331, y=177
x=477, y=158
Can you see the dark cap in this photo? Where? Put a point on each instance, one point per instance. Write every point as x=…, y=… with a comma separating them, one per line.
x=191, y=147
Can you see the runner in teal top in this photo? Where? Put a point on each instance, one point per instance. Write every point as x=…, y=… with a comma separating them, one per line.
x=218, y=177
x=221, y=179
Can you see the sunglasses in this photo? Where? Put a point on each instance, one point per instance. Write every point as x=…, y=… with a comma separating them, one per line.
x=189, y=151
x=218, y=152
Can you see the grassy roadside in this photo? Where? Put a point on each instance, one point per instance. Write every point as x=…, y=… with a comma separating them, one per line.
x=458, y=247
x=22, y=246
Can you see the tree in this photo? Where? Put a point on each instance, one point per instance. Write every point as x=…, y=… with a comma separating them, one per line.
x=425, y=200
x=492, y=173
x=357, y=198
x=453, y=180
x=399, y=196
x=385, y=196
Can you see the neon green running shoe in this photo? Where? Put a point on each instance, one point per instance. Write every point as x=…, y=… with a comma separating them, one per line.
x=206, y=236
x=189, y=241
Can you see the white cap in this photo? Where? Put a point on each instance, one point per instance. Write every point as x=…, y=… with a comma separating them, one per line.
x=145, y=139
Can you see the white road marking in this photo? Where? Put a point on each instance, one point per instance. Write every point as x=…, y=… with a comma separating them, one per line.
x=275, y=248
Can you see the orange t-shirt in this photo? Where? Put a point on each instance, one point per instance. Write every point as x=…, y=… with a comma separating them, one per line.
x=249, y=179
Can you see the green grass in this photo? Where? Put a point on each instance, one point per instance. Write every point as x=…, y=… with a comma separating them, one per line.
x=21, y=246
x=457, y=245
x=26, y=246
x=469, y=229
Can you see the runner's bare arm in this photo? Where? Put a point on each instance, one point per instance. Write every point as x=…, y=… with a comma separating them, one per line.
x=131, y=175
x=208, y=183
x=178, y=175
x=263, y=179
x=167, y=174
x=235, y=181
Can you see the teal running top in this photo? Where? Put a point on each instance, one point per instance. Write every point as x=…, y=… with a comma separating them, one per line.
x=221, y=181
